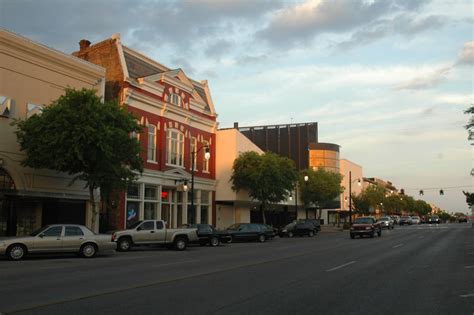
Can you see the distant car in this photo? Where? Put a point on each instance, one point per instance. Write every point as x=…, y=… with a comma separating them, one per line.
x=434, y=219
x=405, y=219
x=395, y=218
x=386, y=222
x=245, y=232
x=314, y=222
x=365, y=226
x=462, y=219
x=208, y=234
x=415, y=219
x=298, y=229
x=57, y=238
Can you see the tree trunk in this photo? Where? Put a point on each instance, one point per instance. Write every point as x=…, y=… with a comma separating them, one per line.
x=93, y=207
x=262, y=210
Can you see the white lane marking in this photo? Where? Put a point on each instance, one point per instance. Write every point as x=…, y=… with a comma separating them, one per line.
x=396, y=246
x=469, y=267
x=341, y=266
x=467, y=295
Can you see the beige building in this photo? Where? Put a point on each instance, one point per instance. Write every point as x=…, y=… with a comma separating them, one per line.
x=31, y=76
x=232, y=207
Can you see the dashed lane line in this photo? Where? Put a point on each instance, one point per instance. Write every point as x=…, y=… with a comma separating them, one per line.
x=341, y=266
x=396, y=246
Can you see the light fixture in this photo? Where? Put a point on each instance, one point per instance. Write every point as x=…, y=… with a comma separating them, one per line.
x=207, y=155
x=306, y=178
x=359, y=182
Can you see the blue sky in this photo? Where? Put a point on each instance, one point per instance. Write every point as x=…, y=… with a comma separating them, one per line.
x=387, y=80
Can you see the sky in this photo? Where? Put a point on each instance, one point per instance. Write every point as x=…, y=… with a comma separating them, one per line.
x=386, y=80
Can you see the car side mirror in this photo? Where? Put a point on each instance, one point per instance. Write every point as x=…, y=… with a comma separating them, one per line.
x=41, y=235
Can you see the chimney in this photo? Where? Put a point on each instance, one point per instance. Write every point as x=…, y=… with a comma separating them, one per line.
x=84, y=44
x=236, y=125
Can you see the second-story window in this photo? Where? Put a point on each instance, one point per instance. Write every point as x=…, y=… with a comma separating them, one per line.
x=175, y=99
x=175, y=148
x=205, y=165
x=151, y=149
x=192, y=153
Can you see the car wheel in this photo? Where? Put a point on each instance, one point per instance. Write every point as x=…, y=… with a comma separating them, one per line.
x=311, y=234
x=88, y=250
x=16, y=252
x=214, y=241
x=290, y=234
x=261, y=238
x=352, y=236
x=124, y=244
x=180, y=243
x=230, y=240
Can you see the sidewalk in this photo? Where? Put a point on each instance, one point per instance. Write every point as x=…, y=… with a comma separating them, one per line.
x=329, y=228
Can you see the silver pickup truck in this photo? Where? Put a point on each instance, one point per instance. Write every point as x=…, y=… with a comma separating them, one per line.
x=153, y=232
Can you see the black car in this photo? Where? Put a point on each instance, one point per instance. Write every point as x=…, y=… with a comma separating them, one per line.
x=434, y=219
x=299, y=228
x=269, y=231
x=245, y=232
x=462, y=219
x=314, y=222
x=208, y=234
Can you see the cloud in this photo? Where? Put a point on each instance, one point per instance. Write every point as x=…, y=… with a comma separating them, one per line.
x=466, y=57
x=184, y=64
x=218, y=48
x=249, y=60
x=426, y=81
x=301, y=23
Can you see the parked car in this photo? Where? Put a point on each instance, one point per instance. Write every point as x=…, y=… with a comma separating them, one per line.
x=415, y=219
x=434, y=219
x=386, y=222
x=151, y=232
x=299, y=228
x=405, y=219
x=246, y=232
x=396, y=219
x=365, y=226
x=268, y=230
x=314, y=222
x=57, y=238
x=208, y=234
x=462, y=219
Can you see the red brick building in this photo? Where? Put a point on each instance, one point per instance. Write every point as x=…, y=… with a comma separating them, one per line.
x=178, y=118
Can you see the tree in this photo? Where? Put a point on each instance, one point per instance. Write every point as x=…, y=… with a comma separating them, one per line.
x=267, y=178
x=79, y=135
x=469, y=198
x=360, y=203
x=393, y=204
x=470, y=124
x=375, y=195
x=321, y=188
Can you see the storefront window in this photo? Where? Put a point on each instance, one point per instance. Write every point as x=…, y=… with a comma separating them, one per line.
x=150, y=211
x=132, y=212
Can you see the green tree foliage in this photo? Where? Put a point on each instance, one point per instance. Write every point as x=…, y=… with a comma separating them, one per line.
x=79, y=135
x=360, y=204
x=267, y=178
x=321, y=188
x=421, y=208
x=375, y=195
x=393, y=204
x=469, y=198
x=470, y=124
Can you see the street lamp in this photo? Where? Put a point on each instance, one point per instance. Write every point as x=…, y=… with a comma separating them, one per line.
x=350, y=196
x=207, y=156
x=306, y=178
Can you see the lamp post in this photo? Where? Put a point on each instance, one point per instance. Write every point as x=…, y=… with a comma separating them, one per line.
x=350, y=196
x=306, y=178
x=207, y=156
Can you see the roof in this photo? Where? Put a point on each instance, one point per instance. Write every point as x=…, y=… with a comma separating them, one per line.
x=138, y=68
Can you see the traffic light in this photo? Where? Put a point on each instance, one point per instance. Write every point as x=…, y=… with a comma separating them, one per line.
x=441, y=192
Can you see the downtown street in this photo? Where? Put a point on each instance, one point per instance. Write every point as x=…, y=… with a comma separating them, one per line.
x=424, y=269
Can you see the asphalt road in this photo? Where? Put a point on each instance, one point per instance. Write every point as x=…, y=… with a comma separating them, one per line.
x=409, y=270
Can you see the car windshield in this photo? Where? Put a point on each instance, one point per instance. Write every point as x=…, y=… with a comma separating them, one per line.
x=234, y=227
x=38, y=231
x=134, y=225
x=363, y=221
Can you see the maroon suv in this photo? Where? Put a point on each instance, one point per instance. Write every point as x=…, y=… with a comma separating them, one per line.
x=366, y=226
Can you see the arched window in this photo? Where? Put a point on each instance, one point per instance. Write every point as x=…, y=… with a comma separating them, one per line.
x=174, y=148
x=6, y=182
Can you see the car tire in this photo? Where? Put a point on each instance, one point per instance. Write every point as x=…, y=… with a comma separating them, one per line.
x=88, y=250
x=16, y=252
x=290, y=234
x=214, y=241
x=261, y=238
x=230, y=240
x=310, y=233
x=352, y=236
x=124, y=244
x=180, y=243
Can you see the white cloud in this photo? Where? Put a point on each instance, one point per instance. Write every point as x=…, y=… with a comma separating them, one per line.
x=467, y=54
x=425, y=81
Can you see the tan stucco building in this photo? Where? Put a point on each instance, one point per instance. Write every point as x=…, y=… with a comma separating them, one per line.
x=232, y=207
x=31, y=76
